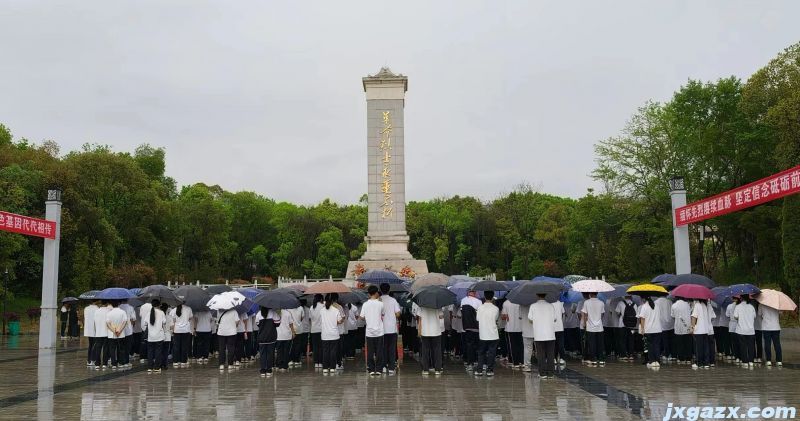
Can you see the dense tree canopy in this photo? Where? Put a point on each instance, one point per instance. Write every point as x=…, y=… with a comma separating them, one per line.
x=127, y=223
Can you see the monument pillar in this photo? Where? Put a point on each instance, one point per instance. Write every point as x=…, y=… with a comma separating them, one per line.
x=387, y=240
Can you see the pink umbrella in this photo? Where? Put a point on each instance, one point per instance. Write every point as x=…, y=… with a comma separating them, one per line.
x=592, y=285
x=776, y=300
x=693, y=292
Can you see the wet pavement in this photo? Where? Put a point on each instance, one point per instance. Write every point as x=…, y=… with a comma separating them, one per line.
x=57, y=385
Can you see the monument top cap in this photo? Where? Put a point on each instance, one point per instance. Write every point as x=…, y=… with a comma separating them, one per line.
x=385, y=75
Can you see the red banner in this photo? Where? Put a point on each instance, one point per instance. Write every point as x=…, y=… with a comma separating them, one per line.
x=27, y=225
x=755, y=193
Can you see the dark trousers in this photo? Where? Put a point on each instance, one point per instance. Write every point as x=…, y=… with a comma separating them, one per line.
x=712, y=350
x=682, y=347
x=747, y=346
x=329, y=350
x=701, y=350
x=283, y=353
x=471, y=340
x=340, y=349
x=166, y=348
x=666, y=342
x=100, y=353
x=375, y=353
x=431, y=352
x=213, y=345
x=182, y=343
x=390, y=351
x=349, y=344
x=143, y=346
x=609, y=333
x=654, y=346
x=487, y=351
x=227, y=349
x=202, y=343
x=316, y=347
x=759, y=345
x=267, y=356
x=625, y=342
x=248, y=347
x=299, y=346
x=503, y=343
x=516, y=351
x=545, y=351
x=114, y=349
x=154, y=354
x=722, y=340
x=90, y=351
x=239, y=348
x=772, y=337
x=595, y=346
x=736, y=344
x=457, y=343
x=572, y=339
x=123, y=350
x=63, y=327
x=560, y=351
x=133, y=343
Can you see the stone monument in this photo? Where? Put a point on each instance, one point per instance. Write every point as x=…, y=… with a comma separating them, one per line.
x=387, y=240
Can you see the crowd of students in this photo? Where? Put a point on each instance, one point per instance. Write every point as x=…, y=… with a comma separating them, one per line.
x=479, y=330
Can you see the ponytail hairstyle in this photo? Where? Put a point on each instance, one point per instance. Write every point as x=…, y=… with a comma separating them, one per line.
x=178, y=310
x=328, y=301
x=264, y=312
x=317, y=299
x=650, y=301
x=153, y=306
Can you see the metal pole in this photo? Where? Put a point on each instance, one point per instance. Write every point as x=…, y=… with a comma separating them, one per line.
x=680, y=235
x=47, y=322
x=5, y=300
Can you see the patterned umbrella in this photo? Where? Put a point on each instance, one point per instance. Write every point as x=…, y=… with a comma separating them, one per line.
x=89, y=295
x=429, y=279
x=380, y=276
x=114, y=294
x=575, y=278
x=592, y=285
x=226, y=300
x=328, y=287
x=744, y=289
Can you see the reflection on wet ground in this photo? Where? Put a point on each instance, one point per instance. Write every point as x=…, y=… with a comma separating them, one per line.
x=51, y=385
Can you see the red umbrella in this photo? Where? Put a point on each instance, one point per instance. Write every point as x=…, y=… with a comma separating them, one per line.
x=693, y=292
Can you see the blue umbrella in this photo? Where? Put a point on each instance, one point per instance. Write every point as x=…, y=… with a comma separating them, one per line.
x=571, y=296
x=379, y=276
x=619, y=292
x=664, y=277
x=722, y=296
x=461, y=289
x=114, y=294
x=550, y=279
x=249, y=306
x=744, y=289
x=455, y=279
x=89, y=295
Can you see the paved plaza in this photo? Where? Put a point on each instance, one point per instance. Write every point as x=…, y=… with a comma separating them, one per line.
x=57, y=385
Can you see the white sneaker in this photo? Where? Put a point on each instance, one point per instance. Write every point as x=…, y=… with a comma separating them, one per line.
x=649, y=365
x=324, y=371
x=561, y=361
x=390, y=372
x=221, y=368
x=751, y=365
x=694, y=367
x=526, y=368
x=779, y=364
x=769, y=363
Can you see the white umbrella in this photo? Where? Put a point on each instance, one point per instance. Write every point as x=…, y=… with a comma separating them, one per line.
x=226, y=300
x=776, y=300
x=592, y=285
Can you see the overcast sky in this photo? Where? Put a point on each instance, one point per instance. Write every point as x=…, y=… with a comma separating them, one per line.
x=267, y=96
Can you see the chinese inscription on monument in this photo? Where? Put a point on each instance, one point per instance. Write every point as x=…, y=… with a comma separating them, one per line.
x=386, y=174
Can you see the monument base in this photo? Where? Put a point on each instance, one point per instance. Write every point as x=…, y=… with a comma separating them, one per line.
x=420, y=267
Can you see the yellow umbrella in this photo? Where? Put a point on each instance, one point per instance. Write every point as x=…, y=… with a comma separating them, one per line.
x=647, y=288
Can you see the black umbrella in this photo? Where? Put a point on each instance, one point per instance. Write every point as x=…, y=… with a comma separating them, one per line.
x=355, y=297
x=213, y=290
x=161, y=293
x=194, y=297
x=489, y=286
x=434, y=296
x=68, y=300
x=277, y=299
x=89, y=295
x=379, y=276
x=527, y=293
x=689, y=278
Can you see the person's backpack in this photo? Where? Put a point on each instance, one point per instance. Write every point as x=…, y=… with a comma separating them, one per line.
x=629, y=316
x=267, y=332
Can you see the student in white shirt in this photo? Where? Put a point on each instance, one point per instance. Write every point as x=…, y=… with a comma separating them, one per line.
x=771, y=329
x=572, y=334
x=88, y=330
x=682, y=344
x=650, y=327
x=286, y=333
x=527, y=339
x=592, y=315
x=487, y=316
x=298, y=344
x=202, y=338
x=700, y=328
x=712, y=348
x=510, y=314
x=759, y=336
x=372, y=313
x=154, y=328
x=469, y=305
x=129, y=339
x=720, y=325
x=316, y=329
x=560, y=351
x=458, y=330
x=101, y=350
x=331, y=317
x=430, y=335
x=227, y=323
x=544, y=318
x=732, y=336
x=745, y=316
x=625, y=325
x=166, y=350
x=183, y=329
x=391, y=314
x=667, y=327
x=349, y=340
x=116, y=320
